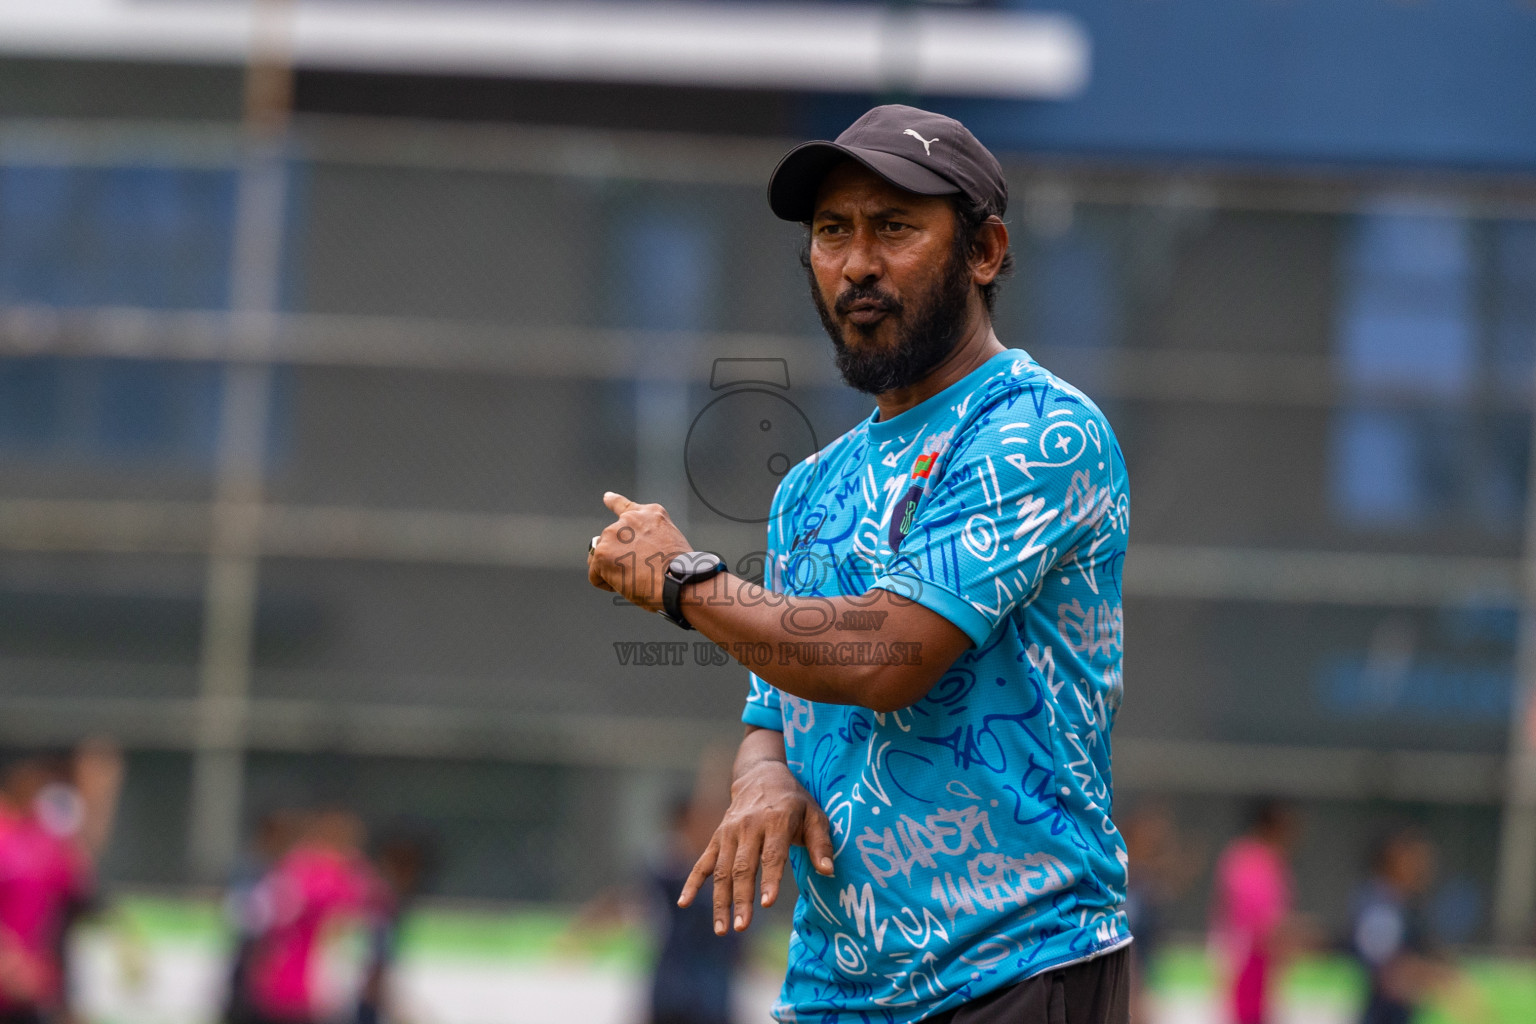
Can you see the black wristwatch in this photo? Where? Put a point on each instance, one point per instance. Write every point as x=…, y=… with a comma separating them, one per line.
x=688, y=567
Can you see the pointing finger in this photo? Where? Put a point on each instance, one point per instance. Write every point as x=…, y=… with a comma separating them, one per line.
x=617, y=503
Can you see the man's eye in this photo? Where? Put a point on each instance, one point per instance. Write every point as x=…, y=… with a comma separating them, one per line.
x=895, y=225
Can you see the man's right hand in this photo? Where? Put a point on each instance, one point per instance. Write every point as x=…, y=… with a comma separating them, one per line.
x=769, y=811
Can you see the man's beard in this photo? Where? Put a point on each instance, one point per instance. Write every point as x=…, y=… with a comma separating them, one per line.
x=925, y=334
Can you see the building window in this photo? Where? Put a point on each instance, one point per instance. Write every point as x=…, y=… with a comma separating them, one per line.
x=1436, y=313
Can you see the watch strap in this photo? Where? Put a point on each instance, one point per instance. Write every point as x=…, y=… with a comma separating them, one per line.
x=689, y=567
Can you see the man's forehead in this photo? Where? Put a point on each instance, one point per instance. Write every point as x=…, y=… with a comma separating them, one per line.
x=851, y=185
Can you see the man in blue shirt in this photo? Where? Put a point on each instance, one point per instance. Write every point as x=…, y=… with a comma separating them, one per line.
x=1389, y=935
x=936, y=653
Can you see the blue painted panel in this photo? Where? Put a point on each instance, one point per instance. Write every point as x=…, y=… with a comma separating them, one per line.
x=1434, y=83
x=93, y=411
x=152, y=237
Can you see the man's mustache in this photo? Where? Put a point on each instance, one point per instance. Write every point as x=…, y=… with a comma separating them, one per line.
x=866, y=294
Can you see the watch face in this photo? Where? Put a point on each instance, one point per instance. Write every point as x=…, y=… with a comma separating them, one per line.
x=691, y=562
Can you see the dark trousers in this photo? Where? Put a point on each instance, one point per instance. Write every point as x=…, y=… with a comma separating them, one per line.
x=1382, y=1009
x=1096, y=991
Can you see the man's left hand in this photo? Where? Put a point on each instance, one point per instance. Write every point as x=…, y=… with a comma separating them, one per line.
x=630, y=556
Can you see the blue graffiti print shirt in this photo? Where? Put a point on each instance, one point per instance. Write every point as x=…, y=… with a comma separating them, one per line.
x=973, y=841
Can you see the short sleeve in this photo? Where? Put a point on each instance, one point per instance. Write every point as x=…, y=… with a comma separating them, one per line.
x=1015, y=490
x=763, y=704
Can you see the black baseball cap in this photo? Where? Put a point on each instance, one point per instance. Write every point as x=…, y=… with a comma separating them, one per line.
x=913, y=149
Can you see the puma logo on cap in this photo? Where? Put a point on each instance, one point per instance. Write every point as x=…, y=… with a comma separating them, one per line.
x=926, y=142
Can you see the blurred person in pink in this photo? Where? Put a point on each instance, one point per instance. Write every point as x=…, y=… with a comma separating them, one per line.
x=55, y=816
x=1252, y=911
x=321, y=883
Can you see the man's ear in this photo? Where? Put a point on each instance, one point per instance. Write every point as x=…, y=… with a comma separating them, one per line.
x=990, y=249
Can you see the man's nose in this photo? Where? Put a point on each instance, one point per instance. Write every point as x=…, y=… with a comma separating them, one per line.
x=863, y=264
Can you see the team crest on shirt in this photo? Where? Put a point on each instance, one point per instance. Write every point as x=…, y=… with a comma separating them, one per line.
x=901, y=516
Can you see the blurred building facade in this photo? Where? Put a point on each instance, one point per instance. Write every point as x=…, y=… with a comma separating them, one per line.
x=1290, y=249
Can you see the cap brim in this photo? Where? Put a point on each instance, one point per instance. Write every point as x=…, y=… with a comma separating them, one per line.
x=793, y=186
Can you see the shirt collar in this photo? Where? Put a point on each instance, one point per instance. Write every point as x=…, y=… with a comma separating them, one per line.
x=881, y=431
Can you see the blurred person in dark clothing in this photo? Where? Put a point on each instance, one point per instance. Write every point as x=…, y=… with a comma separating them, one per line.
x=1252, y=924
x=692, y=979
x=56, y=815
x=401, y=864
x=1162, y=868
x=1389, y=931
x=693, y=974
x=246, y=905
